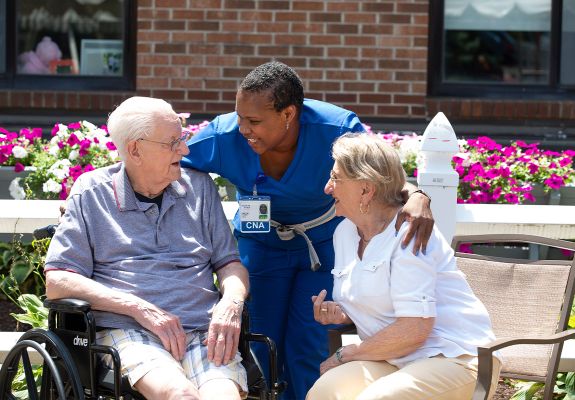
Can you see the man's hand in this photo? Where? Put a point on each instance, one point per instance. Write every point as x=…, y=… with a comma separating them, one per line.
x=224, y=331
x=164, y=325
x=417, y=212
x=327, y=312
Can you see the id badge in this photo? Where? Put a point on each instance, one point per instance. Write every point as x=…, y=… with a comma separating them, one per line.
x=255, y=214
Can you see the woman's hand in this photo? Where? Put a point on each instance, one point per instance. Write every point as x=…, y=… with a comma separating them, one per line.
x=329, y=363
x=327, y=312
x=417, y=212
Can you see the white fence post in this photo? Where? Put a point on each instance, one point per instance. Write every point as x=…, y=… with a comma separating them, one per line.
x=436, y=176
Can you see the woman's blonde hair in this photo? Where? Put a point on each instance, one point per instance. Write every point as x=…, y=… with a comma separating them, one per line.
x=367, y=157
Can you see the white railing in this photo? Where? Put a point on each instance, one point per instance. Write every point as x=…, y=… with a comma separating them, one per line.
x=23, y=216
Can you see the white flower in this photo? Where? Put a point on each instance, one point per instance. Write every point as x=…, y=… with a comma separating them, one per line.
x=62, y=131
x=60, y=169
x=89, y=125
x=53, y=150
x=410, y=145
x=114, y=154
x=51, y=186
x=19, y=152
x=73, y=155
x=16, y=191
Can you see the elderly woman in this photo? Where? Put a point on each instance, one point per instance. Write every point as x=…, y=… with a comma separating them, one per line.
x=418, y=319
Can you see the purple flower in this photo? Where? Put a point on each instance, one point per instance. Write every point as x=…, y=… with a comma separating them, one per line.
x=18, y=167
x=88, y=168
x=111, y=146
x=74, y=126
x=565, y=161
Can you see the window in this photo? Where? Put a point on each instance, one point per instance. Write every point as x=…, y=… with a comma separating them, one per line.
x=568, y=43
x=69, y=44
x=480, y=48
x=2, y=37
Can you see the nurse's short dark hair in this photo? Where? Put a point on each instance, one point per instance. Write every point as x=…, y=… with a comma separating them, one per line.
x=282, y=82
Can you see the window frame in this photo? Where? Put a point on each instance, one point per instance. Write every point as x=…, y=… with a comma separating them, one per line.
x=11, y=80
x=437, y=87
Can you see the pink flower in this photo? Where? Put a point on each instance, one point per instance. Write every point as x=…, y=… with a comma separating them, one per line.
x=529, y=196
x=565, y=161
x=18, y=167
x=84, y=146
x=55, y=129
x=72, y=140
x=511, y=198
x=555, y=181
x=110, y=146
x=74, y=126
x=533, y=168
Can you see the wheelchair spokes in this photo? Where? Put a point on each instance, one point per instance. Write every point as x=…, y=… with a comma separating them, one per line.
x=50, y=376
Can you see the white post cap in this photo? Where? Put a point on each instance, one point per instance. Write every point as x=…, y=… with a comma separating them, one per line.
x=439, y=136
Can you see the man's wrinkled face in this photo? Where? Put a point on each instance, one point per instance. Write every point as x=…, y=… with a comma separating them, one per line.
x=161, y=156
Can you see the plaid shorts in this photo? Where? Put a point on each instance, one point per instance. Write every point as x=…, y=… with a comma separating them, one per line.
x=141, y=351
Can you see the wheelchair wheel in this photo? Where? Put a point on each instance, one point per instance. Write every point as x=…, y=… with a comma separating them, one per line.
x=53, y=378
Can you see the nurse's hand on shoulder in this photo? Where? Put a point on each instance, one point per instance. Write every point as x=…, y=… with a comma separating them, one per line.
x=328, y=312
x=417, y=212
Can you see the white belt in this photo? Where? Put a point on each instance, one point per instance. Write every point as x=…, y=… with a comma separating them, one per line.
x=287, y=232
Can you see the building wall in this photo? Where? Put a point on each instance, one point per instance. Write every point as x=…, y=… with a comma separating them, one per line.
x=368, y=56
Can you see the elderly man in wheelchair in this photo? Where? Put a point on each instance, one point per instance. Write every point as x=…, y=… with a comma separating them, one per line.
x=139, y=243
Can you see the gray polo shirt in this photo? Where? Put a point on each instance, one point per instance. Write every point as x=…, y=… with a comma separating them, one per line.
x=165, y=257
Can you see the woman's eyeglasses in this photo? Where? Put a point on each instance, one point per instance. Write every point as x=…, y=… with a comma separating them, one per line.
x=333, y=177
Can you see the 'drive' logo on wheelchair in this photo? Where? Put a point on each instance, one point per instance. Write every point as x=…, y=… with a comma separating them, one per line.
x=78, y=341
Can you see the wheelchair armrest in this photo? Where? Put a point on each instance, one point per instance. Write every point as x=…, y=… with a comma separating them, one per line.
x=334, y=336
x=67, y=305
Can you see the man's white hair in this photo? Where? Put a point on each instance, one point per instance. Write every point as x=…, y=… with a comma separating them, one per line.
x=135, y=118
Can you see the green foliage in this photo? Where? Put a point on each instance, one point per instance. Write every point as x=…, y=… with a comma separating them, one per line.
x=19, y=384
x=565, y=386
x=35, y=314
x=20, y=264
x=527, y=391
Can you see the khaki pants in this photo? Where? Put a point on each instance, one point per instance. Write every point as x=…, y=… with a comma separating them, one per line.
x=437, y=378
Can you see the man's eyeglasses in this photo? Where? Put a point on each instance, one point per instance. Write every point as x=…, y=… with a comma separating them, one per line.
x=174, y=144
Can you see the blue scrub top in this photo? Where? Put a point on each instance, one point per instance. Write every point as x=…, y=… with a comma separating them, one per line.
x=298, y=196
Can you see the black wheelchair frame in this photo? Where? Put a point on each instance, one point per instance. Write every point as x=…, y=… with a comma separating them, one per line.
x=71, y=367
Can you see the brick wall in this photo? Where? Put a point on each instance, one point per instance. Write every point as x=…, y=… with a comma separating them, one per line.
x=364, y=55
x=367, y=56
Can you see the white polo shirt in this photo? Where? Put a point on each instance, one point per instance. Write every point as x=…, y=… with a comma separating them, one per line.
x=391, y=282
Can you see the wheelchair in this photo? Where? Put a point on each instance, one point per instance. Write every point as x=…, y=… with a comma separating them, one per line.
x=71, y=366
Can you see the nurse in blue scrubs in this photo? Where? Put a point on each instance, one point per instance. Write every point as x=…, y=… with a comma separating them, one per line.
x=276, y=149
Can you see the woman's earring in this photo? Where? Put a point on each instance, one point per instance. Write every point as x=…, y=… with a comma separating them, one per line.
x=287, y=126
x=361, y=210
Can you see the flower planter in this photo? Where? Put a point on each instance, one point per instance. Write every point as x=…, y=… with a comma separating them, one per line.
x=562, y=196
x=7, y=174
